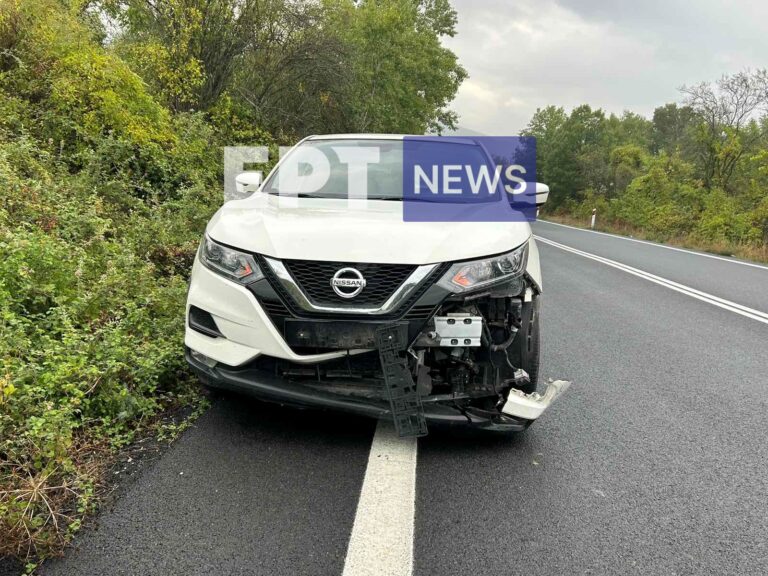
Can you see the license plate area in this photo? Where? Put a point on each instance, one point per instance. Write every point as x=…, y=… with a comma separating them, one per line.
x=338, y=335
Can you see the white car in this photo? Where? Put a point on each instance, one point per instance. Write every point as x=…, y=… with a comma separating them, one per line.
x=316, y=302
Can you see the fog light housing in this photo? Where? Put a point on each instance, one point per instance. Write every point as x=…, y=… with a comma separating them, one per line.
x=203, y=359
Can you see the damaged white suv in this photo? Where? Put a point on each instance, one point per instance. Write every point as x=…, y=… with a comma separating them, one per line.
x=321, y=302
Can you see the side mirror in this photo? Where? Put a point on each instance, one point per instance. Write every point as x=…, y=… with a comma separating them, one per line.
x=542, y=193
x=248, y=182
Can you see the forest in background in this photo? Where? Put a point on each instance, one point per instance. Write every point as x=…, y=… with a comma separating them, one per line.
x=696, y=174
x=113, y=115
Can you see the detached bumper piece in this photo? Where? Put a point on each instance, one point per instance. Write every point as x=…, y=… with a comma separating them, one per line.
x=404, y=399
x=531, y=406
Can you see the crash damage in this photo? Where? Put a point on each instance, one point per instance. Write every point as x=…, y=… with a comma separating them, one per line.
x=472, y=362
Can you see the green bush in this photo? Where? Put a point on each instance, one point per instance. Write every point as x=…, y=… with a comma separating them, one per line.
x=92, y=324
x=105, y=197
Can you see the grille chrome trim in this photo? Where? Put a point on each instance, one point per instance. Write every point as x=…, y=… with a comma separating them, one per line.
x=393, y=302
x=315, y=278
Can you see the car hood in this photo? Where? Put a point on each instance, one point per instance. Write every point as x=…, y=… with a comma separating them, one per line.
x=332, y=230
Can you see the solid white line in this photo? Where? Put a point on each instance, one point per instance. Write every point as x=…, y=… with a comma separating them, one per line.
x=675, y=248
x=677, y=287
x=382, y=536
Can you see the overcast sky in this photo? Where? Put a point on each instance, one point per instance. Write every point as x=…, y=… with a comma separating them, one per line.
x=617, y=55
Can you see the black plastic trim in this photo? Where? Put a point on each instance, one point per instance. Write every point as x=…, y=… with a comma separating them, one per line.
x=202, y=321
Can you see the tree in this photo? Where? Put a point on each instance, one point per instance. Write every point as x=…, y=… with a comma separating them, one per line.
x=295, y=77
x=728, y=128
x=402, y=77
x=574, y=153
x=544, y=126
x=673, y=129
x=300, y=67
x=627, y=162
x=629, y=128
x=192, y=51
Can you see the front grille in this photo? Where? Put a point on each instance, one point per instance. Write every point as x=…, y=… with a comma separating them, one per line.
x=314, y=279
x=280, y=305
x=420, y=312
x=274, y=309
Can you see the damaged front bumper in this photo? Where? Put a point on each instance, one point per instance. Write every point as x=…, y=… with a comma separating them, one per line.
x=267, y=386
x=531, y=406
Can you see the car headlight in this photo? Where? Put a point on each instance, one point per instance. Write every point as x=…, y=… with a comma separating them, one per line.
x=466, y=276
x=228, y=262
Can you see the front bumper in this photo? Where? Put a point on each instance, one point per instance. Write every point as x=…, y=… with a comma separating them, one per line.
x=247, y=330
x=268, y=387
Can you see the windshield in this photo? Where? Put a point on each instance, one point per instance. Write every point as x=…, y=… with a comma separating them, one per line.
x=338, y=168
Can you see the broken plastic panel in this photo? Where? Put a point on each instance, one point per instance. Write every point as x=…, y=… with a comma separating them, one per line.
x=404, y=398
x=531, y=406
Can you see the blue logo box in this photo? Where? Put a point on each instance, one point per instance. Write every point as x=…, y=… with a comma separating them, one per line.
x=469, y=179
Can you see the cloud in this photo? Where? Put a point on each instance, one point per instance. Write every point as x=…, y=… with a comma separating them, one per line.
x=527, y=54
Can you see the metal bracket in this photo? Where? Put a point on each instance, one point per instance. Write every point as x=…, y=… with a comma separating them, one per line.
x=404, y=398
x=459, y=330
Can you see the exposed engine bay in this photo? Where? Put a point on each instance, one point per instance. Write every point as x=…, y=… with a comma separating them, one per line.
x=467, y=350
x=478, y=354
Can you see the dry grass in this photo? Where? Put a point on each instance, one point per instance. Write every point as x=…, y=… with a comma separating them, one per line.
x=744, y=252
x=41, y=509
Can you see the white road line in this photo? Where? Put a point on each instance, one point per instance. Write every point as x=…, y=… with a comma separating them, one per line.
x=676, y=249
x=683, y=289
x=382, y=536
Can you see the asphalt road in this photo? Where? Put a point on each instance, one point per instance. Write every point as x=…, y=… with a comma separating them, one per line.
x=747, y=283
x=654, y=462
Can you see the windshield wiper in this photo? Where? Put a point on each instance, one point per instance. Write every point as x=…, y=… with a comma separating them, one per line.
x=306, y=195
x=400, y=198
x=343, y=197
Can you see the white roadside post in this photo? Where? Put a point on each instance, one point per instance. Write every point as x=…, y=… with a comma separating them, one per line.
x=594, y=214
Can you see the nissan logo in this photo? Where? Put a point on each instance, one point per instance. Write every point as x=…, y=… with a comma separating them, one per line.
x=348, y=282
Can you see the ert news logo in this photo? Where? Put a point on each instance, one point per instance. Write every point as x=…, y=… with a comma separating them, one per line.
x=434, y=178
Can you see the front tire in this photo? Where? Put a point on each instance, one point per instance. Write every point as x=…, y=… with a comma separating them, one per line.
x=525, y=349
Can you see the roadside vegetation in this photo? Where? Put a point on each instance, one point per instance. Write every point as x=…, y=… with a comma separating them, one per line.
x=112, y=119
x=696, y=174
